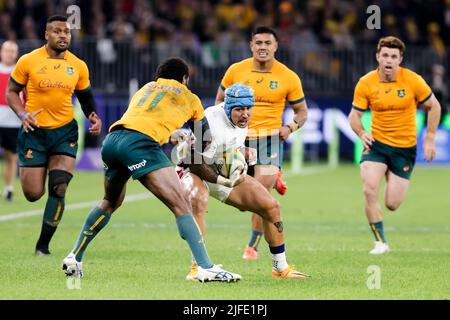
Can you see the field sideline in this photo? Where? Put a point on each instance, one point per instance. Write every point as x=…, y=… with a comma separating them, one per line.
x=141, y=256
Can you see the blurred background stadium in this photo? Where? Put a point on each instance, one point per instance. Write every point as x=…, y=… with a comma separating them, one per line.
x=326, y=42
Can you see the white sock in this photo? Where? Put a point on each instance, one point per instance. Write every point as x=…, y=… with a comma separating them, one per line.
x=279, y=262
x=9, y=188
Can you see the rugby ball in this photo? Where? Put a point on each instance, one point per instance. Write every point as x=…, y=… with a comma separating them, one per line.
x=232, y=160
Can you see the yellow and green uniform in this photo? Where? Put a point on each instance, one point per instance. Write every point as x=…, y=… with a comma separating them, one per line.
x=393, y=106
x=50, y=84
x=133, y=146
x=271, y=91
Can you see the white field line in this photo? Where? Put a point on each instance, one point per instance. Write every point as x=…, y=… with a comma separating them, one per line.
x=74, y=206
x=133, y=198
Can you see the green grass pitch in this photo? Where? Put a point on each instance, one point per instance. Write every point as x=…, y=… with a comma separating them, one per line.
x=140, y=255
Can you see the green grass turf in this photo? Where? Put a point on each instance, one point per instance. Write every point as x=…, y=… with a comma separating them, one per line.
x=140, y=255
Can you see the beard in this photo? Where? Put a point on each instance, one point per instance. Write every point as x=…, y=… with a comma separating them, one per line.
x=58, y=49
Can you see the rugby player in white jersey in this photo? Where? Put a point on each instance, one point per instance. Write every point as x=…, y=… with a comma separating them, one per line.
x=228, y=124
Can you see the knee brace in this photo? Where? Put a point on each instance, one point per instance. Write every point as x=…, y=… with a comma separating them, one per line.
x=58, y=180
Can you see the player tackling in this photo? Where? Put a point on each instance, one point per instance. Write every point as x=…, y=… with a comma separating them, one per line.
x=133, y=149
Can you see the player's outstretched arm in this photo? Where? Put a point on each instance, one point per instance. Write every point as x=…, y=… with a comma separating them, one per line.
x=88, y=106
x=434, y=114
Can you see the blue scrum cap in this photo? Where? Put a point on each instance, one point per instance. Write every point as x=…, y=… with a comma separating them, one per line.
x=238, y=95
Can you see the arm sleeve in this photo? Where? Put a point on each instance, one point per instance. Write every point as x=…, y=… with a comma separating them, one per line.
x=87, y=101
x=360, y=97
x=20, y=73
x=422, y=90
x=83, y=81
x=295, y=94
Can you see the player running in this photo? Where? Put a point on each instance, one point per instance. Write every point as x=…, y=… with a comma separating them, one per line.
x=273, y=84
x=393, y=94
x=229, y=126
x=48, y=138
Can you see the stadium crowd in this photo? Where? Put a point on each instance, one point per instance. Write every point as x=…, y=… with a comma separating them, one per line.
x=328, y=40
x=193, y=22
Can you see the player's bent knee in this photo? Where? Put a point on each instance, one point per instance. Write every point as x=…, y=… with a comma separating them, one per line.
x=110, y=206
x=198, y=205
x=274, y=206
x=392, y=205
x=200, y=200
x=33, y=196
x=271, y=210
x=58, y=180
x=178, y=204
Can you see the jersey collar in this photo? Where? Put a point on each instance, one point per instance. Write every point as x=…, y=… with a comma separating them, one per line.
x=381, y=80
x=268, y=71
x=48, y=56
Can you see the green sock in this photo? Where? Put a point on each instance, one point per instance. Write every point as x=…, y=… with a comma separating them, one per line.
x=190, y=232
x=53, y=212
x=255, y=238
x=377, y=229
x=95, y=222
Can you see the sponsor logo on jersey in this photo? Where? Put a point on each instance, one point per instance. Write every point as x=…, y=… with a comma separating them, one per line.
x=47, y=83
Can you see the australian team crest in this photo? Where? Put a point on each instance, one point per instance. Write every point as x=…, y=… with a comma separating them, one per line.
x=69, y=71
x=401, y=93
x=273, y=84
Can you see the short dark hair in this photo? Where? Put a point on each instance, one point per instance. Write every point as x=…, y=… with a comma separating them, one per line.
x=264, y=29
x=391, y=42
x=173, y=68
x=57, y=18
